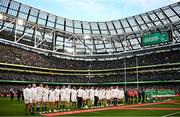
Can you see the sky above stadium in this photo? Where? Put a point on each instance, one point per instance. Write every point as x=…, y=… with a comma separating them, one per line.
x=97, y=10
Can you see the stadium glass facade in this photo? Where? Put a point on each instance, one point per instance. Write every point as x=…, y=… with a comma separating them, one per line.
x=36, y=29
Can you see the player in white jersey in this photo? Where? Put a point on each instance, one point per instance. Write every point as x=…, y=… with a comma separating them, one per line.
x=68, y=91
x=40, y=93
x=108, y=96
x=52, y=100
x=91, y=96
x=68, y=96
x=121, y=95
x=103, y=97
x=45, y=98
x=34, y=97
x=63, y=94
x=87, y=96
x=40, y=90
x=27, y=98
x=111, y=92
x=74, y=97
x=88, y=92
x=115, y=95
x=57, y=97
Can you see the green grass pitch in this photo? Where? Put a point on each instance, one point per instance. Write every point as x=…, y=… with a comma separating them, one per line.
x=15, y=108
x=128, y=113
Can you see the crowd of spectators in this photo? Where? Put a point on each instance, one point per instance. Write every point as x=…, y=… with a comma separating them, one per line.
x=15, y=55
x=156, y=76
x=11, y=54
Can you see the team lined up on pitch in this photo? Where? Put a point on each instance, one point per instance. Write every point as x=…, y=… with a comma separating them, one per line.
x=47, y=99
x=44, y=99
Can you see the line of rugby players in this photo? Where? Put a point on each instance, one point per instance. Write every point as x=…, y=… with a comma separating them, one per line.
x=45, y=99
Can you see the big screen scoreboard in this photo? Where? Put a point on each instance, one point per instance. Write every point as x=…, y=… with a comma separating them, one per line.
x=155, y=38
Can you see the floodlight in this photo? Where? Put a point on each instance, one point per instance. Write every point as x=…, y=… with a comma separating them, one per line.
x=87, y=36
x=1, y=17
x=20, y=22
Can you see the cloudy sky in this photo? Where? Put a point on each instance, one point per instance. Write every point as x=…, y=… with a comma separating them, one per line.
x=97, y=10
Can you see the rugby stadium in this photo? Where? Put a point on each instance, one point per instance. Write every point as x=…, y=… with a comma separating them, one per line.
x=55, y=66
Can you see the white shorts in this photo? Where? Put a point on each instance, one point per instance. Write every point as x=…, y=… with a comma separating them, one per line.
x=39, y=99
x=45, y=99
x=34, y=99
x=121, y=97
x=51, y=100
x=84, y=98
x=27, y=101
x=108, y=98
x=68, y=99
x=73, y=99
x=63, y=99
x=100, y=98
x=92, y=98
x=57, y=99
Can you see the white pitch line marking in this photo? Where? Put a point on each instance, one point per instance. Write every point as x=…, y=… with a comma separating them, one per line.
x=171, y=114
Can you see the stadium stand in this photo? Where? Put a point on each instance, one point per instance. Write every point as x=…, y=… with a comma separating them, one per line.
x=14, y=55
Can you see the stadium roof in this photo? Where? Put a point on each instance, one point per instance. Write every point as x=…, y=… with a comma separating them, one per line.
x=33, y=28
x=97, y=10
